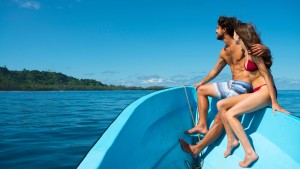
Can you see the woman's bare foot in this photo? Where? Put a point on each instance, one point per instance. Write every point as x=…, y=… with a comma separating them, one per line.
x=249, y=158
x=193, y=150
x=197, y=129
x=230, y=145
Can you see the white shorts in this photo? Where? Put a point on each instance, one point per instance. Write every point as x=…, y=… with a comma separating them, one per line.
x=232, y=88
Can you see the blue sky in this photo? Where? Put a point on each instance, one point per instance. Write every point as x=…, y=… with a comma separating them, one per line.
x=141, y=43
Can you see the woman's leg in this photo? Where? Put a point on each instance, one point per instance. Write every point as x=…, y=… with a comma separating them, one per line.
x=223, y=106
x=253, y=102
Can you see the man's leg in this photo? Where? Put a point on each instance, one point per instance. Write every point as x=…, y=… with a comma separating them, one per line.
x=202, y=93
x=213, y=133
x=217, y=128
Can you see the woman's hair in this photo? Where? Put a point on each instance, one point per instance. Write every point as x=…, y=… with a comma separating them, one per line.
x=249, y=36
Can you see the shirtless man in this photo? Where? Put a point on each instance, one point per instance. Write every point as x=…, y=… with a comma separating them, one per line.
x=232, y=55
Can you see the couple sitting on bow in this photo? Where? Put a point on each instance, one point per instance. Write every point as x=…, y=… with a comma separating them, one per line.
x=251, y=88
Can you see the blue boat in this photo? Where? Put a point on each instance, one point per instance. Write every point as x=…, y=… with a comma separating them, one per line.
x=146, y=135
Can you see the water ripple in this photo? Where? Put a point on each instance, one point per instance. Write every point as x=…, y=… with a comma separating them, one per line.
x=55, y=129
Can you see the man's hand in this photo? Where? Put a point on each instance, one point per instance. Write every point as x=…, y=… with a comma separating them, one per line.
x=198, y=85
x=257, y=50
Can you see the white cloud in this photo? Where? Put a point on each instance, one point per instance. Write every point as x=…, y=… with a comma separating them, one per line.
x=287, y=84
x=187, y=79
x=157, y=80
x=28, y=4
x=153, y=81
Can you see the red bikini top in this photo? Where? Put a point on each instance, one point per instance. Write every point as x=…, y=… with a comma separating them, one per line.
x=251, y=66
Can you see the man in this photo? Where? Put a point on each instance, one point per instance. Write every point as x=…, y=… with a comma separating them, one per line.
x=232, y=54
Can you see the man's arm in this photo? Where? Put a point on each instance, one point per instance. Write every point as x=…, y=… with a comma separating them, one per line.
x=221, y=63
x=259, y=50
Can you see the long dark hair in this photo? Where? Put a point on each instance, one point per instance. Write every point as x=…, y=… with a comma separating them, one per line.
x=249, y=36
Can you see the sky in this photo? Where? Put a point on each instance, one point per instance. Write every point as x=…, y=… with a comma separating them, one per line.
x=142, y=42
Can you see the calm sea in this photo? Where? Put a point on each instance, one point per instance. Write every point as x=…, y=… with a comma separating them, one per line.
x=56, y=129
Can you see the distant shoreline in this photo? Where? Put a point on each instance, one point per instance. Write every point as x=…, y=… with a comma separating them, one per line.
x=80, y=90
x=144, y=89
x=34, y=80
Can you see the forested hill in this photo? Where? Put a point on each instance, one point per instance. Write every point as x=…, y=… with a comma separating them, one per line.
x=34, y=80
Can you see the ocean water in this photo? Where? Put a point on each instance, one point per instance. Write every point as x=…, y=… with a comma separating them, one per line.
x=56, y=129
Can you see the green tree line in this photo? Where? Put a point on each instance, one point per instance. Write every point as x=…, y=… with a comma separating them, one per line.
x=34, y=80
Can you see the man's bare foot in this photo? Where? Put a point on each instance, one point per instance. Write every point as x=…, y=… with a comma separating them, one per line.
x=197, y=129
x=230, y=146
x=249, y=158
x=193, y=150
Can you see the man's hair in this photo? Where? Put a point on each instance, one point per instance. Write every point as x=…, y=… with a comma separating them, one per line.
x=228, y=23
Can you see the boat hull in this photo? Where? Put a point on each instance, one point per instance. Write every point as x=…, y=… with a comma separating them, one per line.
x=145, y=135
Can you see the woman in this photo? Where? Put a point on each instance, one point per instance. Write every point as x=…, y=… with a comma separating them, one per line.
x=264, y=93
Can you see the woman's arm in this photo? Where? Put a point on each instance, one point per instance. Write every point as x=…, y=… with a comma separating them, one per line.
x=266, y=74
